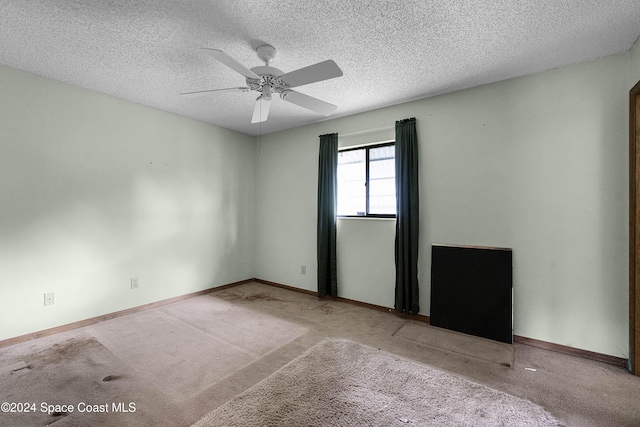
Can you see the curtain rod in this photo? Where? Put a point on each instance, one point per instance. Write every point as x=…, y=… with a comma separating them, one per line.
x=361, y=132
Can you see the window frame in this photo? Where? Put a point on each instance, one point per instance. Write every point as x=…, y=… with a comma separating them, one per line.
x=367, y=148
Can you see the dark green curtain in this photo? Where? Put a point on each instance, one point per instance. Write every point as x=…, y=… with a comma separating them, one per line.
x=327, y=199
x=407, y=213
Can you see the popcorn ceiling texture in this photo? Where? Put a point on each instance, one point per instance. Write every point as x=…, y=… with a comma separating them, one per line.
x=146, y=51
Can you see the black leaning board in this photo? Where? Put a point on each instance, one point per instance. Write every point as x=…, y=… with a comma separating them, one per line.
x=471, y=291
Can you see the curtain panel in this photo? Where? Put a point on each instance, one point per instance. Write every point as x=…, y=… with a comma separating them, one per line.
x=407, y=214
x=327, y=210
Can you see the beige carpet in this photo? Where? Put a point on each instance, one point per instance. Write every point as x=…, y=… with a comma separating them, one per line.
x=163, y=360
x=191, y=345
x=342, y=383
x=479, y=348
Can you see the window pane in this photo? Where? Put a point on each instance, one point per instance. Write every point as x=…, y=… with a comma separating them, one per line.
x=382, y=180
x=351, y=183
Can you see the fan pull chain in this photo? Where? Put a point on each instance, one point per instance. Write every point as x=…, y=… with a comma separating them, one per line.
x=260, y=125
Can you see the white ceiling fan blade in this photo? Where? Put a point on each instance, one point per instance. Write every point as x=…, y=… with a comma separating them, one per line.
x=313, y=73
x=229, y=89
x=261, y=110
x=309, y=102
x=231, y=63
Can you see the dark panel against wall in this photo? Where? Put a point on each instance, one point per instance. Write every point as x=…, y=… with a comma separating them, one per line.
x=471, y=290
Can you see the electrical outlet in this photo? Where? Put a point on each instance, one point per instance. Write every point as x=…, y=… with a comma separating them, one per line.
x=134, y=283
x=48, y=298
x=303, y=269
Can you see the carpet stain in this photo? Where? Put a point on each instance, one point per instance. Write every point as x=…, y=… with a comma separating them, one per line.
x=62, y=352
x=325, y=308
x=265, y=297
x=112, y=378
x=23, y=368
x=251, y=297
x=58, y=416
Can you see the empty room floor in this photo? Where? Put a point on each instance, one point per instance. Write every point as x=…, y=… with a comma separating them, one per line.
x=173, y=364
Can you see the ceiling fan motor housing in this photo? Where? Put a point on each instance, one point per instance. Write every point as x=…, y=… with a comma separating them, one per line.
x=269, y=76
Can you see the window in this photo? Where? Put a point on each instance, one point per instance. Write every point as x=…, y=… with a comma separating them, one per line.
x=367, y=181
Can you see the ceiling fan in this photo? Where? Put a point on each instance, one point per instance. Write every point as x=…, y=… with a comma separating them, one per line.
x=269, y=80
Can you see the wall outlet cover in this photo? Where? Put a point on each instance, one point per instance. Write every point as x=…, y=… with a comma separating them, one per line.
x=48, y=298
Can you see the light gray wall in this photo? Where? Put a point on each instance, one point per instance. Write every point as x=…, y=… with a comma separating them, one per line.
x=537, y=164
x=95, y=190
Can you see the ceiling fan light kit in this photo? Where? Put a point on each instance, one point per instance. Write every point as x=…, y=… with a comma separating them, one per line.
x=267, y=80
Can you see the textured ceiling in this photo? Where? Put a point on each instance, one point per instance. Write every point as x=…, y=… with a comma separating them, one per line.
x=146, y=51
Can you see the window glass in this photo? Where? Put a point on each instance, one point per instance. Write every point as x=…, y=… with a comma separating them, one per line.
x=352, y=190
x=382, y=180
x=366, y=181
